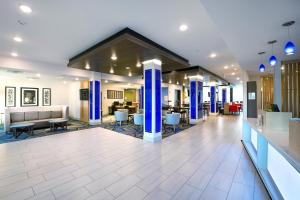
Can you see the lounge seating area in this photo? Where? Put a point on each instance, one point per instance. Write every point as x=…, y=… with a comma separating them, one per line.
x=40, y=116
x=27, y=119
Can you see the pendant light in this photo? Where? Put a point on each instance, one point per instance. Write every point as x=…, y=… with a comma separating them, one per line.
x=289, y=48
x=272, y=59
x=261, y=67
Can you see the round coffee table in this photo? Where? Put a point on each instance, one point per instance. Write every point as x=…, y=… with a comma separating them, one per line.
x=55, y=123
x=22, y=127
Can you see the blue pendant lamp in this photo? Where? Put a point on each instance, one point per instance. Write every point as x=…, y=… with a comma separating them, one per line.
x=262, y=67
x=272, y=59
x=289, y=48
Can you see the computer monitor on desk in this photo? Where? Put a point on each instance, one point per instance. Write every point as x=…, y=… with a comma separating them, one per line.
x=275, y=108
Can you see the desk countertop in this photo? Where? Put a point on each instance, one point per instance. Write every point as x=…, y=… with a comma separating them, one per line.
x=285, y=141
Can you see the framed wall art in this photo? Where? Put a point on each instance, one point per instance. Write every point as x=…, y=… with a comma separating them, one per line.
x=29, y=96
x=10, y=96
x=46, y=96
x=114, y=94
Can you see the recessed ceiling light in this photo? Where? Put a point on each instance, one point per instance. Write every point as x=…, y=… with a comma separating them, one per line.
x=226, y=67
x=213, y=55
x=38, y=75
x=238, y=78
x=129, y=74
x=183, y=27
x=233, y=73
x=138, y=64
x=114, y=57
x=18, y=39
x=87, y=66
x=14, y=54
x=111, y=70
x=25, y=9
x=76, y=79
x=127, y=67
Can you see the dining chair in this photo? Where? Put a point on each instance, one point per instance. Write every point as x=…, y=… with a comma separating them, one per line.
x=172, y=120
x=138, y=120
x=120, y=116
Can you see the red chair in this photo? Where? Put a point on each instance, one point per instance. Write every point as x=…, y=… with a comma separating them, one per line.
x=233, y=109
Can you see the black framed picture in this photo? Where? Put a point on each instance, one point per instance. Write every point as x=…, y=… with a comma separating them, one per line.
x=114, y=94
x=29, y=96
x=46, y=96
x=10, y=96
x=84, y=94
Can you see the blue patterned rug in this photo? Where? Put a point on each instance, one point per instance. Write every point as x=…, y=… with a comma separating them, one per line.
x=74, y=125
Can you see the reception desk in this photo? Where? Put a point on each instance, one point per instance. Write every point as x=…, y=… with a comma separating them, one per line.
x=275, y=153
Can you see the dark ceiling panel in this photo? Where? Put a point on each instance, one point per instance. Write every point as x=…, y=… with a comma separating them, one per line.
x=180, y=75
x=130, y=48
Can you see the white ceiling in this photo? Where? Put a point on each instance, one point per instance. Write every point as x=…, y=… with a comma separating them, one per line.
x=59, y=29
x=247, y=26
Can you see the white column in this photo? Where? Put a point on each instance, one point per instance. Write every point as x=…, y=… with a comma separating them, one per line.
x=152, y=101
x=95, y=102
x=277, y=86
x=196, y=100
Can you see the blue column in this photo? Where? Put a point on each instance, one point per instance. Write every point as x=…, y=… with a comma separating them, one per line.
x=224, y=94
x=213, y=100
x=196, y=100
x=141, y=95
x=95, y=102
x=152, y=101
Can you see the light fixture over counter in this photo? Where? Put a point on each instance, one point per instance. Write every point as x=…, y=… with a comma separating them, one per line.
x=289, y=48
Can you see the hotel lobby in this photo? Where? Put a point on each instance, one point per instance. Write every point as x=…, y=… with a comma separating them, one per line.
x=123, y=100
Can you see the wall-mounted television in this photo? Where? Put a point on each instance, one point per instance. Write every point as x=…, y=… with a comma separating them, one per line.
x=84, y=94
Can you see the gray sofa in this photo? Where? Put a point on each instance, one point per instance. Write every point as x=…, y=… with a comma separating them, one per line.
x=40, y=116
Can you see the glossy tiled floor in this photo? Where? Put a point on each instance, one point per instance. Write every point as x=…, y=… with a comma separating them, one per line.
x=206, y=161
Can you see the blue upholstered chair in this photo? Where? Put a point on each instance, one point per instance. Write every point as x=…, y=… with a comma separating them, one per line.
x=121, y=116
x=140, y=111
x=172, y=120
x=138, y=120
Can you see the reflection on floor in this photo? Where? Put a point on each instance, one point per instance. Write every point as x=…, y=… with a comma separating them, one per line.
x=107, y=123
x=206, y=161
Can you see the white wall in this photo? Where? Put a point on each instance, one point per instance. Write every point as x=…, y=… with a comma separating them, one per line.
x=206, y=90
x=238, y=93
x=74, y=99
x=115, y=86
x=171, y=92
x=108, y=102
x=61, y=94
x=220, y=88
x=58, y=89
